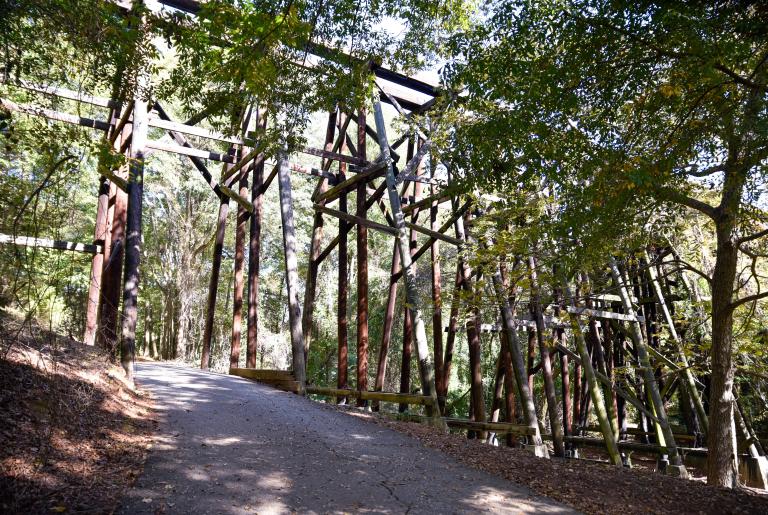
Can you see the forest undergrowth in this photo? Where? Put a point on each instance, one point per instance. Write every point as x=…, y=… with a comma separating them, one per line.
x=73, y=435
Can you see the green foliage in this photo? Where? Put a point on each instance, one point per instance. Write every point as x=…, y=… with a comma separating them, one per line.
x=610, y=106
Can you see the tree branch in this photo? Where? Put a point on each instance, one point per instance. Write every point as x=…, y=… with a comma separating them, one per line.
x=749, y=298
x=754, y=236
x=679, y=198
x=695, y=172
x=738, y=78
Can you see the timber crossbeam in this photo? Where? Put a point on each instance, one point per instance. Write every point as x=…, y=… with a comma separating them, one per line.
x=25, y=241
x=280, y=379
x=397, y=398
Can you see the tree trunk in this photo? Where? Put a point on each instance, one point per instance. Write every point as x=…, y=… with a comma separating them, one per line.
x=722, y=466
x=518, y=365
x=133, y=239
x=291, y=271
x=546, y=363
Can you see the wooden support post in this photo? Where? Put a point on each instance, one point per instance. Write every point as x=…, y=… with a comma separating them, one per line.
x=239, y=279
x=362, y=270
x=412, y=294
x=453, y=327
x=498, y=387
x=114, y=246
x=133, y=243
x=688, y=379
x=473, y=332
x=313, y=267
x=389, y=317
x=509, y=374
x=213, y=286
x=407, y=355
x=97, y=263
x=291, y=270
x=254, y=256
x=341, y=308
x=546, y=363
x=597, y=343
x=218, y=249
x=676, y=466
x=526, y=398
x=437, y=302
x=595, y=393
x=559, y=338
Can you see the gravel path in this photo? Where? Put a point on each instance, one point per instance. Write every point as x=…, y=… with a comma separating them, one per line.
x=227, y=445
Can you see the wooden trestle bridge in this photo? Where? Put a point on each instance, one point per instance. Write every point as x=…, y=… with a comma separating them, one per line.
x=591, y=336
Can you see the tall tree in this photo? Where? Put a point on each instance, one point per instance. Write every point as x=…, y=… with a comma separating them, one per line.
x=629, y=108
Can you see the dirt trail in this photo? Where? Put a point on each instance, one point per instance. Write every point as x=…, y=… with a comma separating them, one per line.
x=227, y=445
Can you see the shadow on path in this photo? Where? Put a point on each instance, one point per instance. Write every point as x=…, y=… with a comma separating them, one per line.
x=227, y=445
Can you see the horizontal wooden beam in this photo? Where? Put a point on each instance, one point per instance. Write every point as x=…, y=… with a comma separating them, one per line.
x=606, y=315
x=367, y=175
x=496, y=427
x=55, y=115
x=427, y=202
x=26, y=241
x=400, y=398
x=56, y=91
x=639, y=432
x=67, y=118
x=275, y=378
x=262, y=374
x=356, y=219
x=193, y=130
x=189, y=151
x=334, y=156
x=372, y=199
x=434, y=234
x=635, y=446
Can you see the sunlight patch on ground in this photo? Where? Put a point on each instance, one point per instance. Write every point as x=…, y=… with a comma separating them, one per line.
x=275, y=480
x=223, y=441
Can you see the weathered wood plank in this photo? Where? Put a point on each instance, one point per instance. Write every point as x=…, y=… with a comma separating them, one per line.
x=189, y=151
x=26, y=241
x=399, y=398
x=334, y=156
x=61, y=92
x=434, y=234
x=55, y=115
x=262, y=374
x=607, y=315
x=356, y=219
x=429, y=201
x=367, y=175
x=496, y=427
